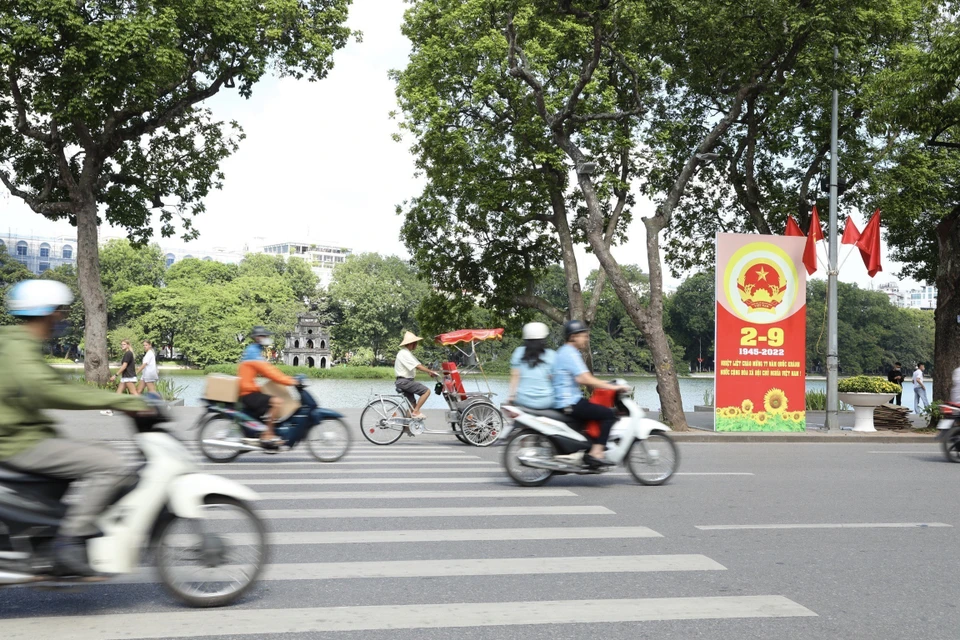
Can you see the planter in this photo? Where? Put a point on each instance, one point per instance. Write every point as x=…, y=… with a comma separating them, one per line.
x=863, y=405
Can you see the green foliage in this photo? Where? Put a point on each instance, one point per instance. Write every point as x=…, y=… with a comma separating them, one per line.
x=375, y=299
x=11, y=272
x=169, y=390
x=867, y=384
x=124, y=266
x=746, y=423
x=816, y=400
x=362, y=357
x=295, y=272
x=192, y=271
x=336, y=373
x=691, y=313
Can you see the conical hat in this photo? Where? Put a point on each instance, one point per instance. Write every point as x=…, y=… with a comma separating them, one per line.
x=409, y=338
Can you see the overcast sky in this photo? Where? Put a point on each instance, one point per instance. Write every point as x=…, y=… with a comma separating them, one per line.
x=319, y=163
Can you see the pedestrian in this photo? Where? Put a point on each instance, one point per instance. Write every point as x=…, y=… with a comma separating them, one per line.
x=127, y=374
x=149, y=374
x=919, y=389
x=896, y=376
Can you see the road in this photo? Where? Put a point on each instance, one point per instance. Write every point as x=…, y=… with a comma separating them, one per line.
x=426, y=539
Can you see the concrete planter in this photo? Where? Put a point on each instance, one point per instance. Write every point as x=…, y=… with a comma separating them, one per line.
x=863, y=405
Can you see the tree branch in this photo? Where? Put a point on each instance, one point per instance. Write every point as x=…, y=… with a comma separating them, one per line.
x=531, y=301
x=23, y=125
x=33, y=201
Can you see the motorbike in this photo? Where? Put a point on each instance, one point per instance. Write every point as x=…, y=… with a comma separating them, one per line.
x=226, y=432
x=544, y=443
x=949, y=430
x=167, y=505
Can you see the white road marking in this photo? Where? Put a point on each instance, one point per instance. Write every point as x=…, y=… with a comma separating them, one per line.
x=378, y=481
x=454, y=535
x=259, y=622
x=712, y=473
x=470, y=494
x=335, y=468
x=846, y=525
x=428, y=512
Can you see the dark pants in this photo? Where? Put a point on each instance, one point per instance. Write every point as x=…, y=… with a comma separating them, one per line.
x=585, y=410
x=897, y=398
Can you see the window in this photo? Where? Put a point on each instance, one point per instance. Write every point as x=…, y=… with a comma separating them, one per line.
x=44, y=266
x=170, y=259
x=67, y=252
x=44, y=250
x=21, y=248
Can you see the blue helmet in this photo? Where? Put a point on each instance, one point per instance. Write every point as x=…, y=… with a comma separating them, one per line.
x=33, y=298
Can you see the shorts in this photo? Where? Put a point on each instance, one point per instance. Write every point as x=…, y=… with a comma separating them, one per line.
x=149, y=379
x=133, y=379
x=256, y=404
x=410, y=388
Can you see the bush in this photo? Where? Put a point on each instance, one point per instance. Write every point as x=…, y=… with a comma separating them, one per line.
x=337, y=373
x=362, y=357
x=868, y=384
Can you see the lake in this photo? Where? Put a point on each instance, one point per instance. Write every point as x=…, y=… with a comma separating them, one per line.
x=353, y=394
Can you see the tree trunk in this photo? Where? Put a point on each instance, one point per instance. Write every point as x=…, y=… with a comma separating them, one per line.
x=947, y=315
x=95, y=363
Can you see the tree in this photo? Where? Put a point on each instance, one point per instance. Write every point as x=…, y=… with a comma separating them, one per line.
x=692, y=313
x=376, y=300
x=12, y=271
x=73, y=338
x=100, y=116
x=124, y=265
x=295, y=271
x=194, y=270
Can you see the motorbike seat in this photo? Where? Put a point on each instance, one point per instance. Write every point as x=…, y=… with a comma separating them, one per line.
x=553, y=414
x=9, y=475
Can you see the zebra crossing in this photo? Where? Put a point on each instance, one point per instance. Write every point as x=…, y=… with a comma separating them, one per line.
x=412, y=553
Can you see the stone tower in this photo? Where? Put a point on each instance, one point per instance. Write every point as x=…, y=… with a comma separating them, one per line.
x=308, y=345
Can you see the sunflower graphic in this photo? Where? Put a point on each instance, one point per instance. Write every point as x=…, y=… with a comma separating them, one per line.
x=775, y=401
x=747, y=406
x=761, y=418
x=797, y=416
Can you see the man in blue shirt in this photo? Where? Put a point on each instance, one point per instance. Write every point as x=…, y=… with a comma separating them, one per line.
x=569, y=372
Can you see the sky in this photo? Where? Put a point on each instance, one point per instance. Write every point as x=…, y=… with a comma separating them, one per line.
x=319, y=163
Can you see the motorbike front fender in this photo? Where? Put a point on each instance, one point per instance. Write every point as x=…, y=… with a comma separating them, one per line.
x=188, y=493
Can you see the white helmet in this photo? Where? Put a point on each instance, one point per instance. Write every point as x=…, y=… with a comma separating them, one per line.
x=37, y=297
x=535, y=331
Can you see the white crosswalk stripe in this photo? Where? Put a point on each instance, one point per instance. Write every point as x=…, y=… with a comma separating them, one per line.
x=412, y=513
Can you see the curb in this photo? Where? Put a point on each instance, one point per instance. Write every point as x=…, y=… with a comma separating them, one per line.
x=686, y=436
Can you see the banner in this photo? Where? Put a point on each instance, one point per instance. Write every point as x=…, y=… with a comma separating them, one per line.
x=760, y=356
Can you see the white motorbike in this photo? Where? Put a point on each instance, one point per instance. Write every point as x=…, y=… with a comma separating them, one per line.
x=208, y=545
x=949, y=430
x=542, y=443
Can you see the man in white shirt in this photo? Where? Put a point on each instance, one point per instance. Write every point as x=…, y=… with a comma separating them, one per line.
x=405, y=367
x=919, y=389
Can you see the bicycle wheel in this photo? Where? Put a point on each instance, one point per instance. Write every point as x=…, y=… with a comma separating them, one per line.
x=378, y=424
x=220, y=429
x=329, y=441
x=654, y=460
x=481, y=424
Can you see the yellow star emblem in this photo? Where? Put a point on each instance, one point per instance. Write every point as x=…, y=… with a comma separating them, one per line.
x=761, y=274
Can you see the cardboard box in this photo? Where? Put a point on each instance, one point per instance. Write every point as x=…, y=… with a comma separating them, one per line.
x=289, y=395
x=222, y=388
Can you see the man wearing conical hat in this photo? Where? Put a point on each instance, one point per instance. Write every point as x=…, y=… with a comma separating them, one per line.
x=406, y=366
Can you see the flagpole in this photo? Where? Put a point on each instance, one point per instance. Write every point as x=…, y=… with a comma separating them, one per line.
x=832, y=419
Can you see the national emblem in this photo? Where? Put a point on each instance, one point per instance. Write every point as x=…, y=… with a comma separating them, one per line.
x=761, y=285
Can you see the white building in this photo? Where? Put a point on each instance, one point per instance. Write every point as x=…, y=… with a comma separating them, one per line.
x=893, y=292
x=322, y=258
x=172, y=255
x=923, y=298
x=40, y=253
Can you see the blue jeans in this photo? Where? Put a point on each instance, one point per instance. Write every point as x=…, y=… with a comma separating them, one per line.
x=919, y=397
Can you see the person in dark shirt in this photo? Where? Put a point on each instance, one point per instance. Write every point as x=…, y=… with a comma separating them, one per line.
x=896, y=375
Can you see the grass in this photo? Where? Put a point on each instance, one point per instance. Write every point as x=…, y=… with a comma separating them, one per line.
x=56, y=360
x=336, y=373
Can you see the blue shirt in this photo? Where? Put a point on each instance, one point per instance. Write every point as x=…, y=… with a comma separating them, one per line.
x=567, y=366
x=252, y=352
x=535, y=389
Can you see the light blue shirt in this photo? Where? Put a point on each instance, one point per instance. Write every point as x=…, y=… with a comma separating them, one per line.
x=535, y=389
x=566, y=367
x=252, y=352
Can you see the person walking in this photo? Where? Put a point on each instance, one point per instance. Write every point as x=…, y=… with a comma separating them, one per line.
x=896, y=376
x=127, y=374
x=919, y=389
x=149, y=374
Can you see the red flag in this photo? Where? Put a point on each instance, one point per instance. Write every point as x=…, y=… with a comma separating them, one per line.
x=815, y=227
x=850, y=233
x=810, y=253
x=869, y=245
x=793, y=229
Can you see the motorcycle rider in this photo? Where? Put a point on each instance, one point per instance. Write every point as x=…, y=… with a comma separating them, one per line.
x=28, y=441
x=530, y=367
x=254, y=401
x=569, y=372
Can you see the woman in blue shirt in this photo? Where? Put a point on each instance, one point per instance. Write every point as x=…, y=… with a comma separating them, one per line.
x=530, y=366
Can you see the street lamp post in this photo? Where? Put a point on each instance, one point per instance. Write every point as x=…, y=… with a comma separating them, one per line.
x=832, y=419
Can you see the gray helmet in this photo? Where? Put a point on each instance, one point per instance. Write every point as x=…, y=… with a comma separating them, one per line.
x=260, y=332
x=573, y=327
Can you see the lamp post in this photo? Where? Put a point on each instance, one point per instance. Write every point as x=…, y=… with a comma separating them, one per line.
x=832, y=419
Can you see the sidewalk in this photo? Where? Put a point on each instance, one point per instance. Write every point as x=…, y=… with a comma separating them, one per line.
x=90, y=425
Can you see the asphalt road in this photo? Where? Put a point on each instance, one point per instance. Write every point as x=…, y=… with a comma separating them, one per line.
x=580, y=557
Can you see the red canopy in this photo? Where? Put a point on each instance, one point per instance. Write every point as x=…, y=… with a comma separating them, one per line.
x=468, y=335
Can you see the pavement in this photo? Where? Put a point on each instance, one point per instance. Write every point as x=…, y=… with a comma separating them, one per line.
x=427, y=539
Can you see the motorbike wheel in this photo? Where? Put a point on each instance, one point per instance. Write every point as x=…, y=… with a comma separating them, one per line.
x=376, y=423
x=329, y=441
x=212, y=560
x=654, y=460
x=951, y=444
x=219, y=427
x=528, y=443
x=481, y=424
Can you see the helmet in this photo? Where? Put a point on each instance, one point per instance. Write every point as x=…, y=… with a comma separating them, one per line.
x=573, y=327
x=535, y=331
x=260, y=332
x=37, y=297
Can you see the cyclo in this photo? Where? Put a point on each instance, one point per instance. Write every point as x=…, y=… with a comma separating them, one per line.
x=472, y=416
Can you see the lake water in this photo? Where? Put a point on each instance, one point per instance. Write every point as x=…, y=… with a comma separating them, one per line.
x=354, y=394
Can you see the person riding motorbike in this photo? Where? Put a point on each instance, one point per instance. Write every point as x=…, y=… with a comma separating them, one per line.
x=569, y=372
x=530, y=367
x=28, y=441
x=254, y=401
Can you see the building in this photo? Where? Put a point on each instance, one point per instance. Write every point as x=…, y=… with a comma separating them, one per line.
x=893, y=293
x=308, y=345
x=174, y=254
x=40, y=254
x=322, y=258
x=923, y=298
